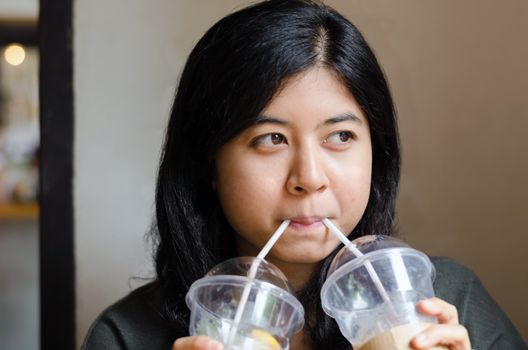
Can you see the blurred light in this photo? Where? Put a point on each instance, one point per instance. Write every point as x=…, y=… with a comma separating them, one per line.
x=14, y=54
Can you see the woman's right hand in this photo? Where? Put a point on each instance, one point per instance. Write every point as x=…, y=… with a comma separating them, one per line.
x=197, y=342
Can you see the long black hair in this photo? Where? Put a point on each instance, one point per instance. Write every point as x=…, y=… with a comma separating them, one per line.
x=230, y=76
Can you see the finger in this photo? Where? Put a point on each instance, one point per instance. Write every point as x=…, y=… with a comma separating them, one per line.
x=444, y=312
x=196, y=343
x=455, y=336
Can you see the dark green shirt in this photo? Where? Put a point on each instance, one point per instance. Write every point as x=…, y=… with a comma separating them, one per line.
x=135, y=322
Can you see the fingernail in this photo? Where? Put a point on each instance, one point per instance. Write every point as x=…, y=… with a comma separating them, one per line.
x=429, y=305
x=214, y=345
x=421, y=339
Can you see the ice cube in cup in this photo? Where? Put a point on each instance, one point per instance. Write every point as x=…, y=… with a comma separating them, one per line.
x=351, y=297
x=271, y=314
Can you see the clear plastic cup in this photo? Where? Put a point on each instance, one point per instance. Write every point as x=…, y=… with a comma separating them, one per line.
x=271, y=313
x=351, y=297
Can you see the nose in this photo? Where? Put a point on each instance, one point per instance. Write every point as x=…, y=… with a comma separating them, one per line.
x=307, y=172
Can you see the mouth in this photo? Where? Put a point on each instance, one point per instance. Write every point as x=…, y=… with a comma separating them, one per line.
x=306, y=222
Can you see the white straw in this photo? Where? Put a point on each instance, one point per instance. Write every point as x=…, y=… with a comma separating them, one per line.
x=271, y=242
x=252, y=273
x=337, y=232
x=352, y=247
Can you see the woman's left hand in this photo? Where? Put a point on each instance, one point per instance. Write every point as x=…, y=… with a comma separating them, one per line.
x=447, y=333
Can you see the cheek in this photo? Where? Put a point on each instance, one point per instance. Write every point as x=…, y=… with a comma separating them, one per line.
x=352, y=189
x=246, y=190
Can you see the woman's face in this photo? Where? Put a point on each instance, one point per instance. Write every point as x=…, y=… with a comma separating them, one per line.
x=308, y=158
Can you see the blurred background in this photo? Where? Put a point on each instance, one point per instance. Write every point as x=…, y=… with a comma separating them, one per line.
x=459, y=75
x=19, y=144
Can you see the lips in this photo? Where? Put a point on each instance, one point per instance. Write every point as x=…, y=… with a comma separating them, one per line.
x=306, y=222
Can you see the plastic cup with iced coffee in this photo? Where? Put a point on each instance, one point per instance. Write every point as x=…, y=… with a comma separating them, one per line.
x=372, y=291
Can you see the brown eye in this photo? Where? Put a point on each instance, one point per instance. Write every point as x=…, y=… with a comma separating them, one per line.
x=344, y=136
x=276, y=139
x=340, y=138
x=270, y=140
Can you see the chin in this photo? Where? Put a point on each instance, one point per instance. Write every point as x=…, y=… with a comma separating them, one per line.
x=300, y=256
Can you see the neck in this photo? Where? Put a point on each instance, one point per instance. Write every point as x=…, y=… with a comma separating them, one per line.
x=298, y=274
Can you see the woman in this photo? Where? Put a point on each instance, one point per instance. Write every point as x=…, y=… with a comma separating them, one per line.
x=282, y=112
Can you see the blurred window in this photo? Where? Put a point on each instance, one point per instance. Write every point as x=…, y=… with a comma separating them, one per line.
x=19, y=130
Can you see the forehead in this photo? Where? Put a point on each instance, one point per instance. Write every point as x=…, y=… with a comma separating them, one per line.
x=317, y=90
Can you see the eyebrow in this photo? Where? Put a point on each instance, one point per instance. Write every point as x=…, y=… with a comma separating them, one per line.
x=266, y=119
x=342, y=118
